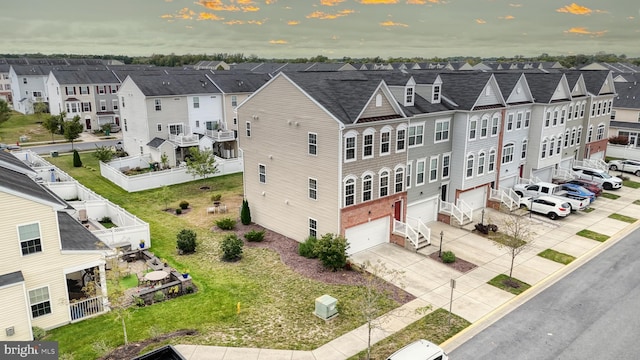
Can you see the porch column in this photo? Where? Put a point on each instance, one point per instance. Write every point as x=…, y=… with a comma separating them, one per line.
x=103, y=286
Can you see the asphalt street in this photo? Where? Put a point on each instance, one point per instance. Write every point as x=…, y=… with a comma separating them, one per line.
x=66, y=147
x=592, y=313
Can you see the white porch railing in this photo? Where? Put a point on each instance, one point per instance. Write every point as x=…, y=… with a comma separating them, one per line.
x=508, y=197
x=453, y=210
x=221, y=135
x=409, y=233
x=465, y=208
x=591, y=163
x=526, y=181
x=86, y=308
x=184, y=140
x=563, y=174
x=422, y=229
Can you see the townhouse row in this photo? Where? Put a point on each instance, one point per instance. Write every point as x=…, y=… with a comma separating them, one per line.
x=376, y=156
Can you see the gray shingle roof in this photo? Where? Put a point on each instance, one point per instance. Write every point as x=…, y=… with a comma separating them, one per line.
x=174, y=84
x=594, y=80
x=628, y=95
x=74, y=236
x=238, y=82
x=464, y=88
x=21, y=183
x=11, y=278
x=85, y=77
x=543, y=85
x=507, y=82
x=32, y=70
x=156, y=142
x=8, y=160
x=624, y=124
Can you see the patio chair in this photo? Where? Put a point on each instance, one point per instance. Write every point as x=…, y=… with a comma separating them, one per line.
x=82, y=216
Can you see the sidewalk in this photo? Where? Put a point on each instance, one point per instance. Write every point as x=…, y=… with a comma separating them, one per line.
x=473, y=299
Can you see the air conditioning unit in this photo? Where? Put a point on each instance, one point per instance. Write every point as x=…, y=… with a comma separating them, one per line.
x=326, y=308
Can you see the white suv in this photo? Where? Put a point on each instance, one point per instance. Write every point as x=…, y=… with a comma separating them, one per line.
x=551, y=206
x=421, y=349
x=607, y=181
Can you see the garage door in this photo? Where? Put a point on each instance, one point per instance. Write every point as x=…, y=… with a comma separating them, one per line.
x=545, y=174
x=368, y=235
x=476, y=198
x=566, y=163
x=599, y=155
x=508, y=182
x=426, y=210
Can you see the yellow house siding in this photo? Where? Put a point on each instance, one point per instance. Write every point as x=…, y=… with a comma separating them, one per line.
x=374, y=111
x=15, y=313
x=40, y=269
x=279, y=140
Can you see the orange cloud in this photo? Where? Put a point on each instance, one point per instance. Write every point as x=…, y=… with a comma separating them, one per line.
x=326, y=16
x=185, y=13
x=583, y=31
x=209, y=16
x=391, y=23
x=269, y=2
x=217, y=5
x=234, y=22
x=515, y=5
x=166, y=16
x=278, y=42
x=508, y=17
x=575, y=9
x=480, y=21
x=293, y=22
x=255, y=22
x=245, y=2
x=377, y=2
x=250, y=8
x=330, y=2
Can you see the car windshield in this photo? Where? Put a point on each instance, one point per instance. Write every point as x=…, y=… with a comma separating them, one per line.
x=606, y=176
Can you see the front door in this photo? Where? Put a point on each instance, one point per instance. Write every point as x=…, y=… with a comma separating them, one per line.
x=87, y=123
x=397, y=207
x=443, y=192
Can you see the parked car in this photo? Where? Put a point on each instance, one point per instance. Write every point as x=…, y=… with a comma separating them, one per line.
x=630, y=166
x=577, y=190
x=553, y=207
x=421, y=349
x=8, y=147
x=592, y=186
x=600, y=176
x=576, y=202
x=115, y=128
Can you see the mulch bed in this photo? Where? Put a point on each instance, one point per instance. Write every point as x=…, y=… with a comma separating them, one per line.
x=132, y=350
x=460, y=264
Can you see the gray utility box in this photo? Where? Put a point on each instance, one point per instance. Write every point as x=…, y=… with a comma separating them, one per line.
x=326, y=307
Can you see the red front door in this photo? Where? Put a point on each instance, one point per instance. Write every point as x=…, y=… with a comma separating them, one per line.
x=397, y=207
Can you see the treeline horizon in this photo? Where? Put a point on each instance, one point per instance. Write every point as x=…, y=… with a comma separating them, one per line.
x=173, y=60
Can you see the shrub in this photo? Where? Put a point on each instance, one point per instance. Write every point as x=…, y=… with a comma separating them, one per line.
x=105, y=219
x=448, y=257
x=231, y=248
x=245, y=213
x=38, y=333
x=76, y=159
x=186, y=241
x=619, y=140
x=184, y=204
x=216, y=197
x=308, y=248
x=158, y=296
x=189, y=290
x=254, y=235
x=226, y=223
x=139, y=302
x=332, y=251
x=178, y=211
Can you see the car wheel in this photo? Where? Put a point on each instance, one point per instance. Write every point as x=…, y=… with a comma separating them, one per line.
x=637, y=173
x=607, y=186
x=552, y=215
x=613, y=167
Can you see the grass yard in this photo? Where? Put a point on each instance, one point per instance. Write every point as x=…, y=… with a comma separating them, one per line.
x=513, y=286
x=505, y=239
x=631, y=184
x=589, y=209
x=433, y=327
x=277, y=304
x=624, y=218
x=609, y=195
x=593, y=235
x=25, y=125
x=636, y=202
x=557, y=256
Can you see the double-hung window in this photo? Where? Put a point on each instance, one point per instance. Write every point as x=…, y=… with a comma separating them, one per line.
x=349, y=192
x=158, y=104
x=519, y=120
x=473, y=129
x=196, y=102
x=313, y=228
x=399, y=180
x=385, y=139
x=415, y=135
x=507, y=153
x=523, y=153
x=401, y=135
x=313, y=189
x=40, y=302
x=510, y=122
x=313, y=143
x=600, y=132
x=367, y=144
x=262, y=173
x=494, y=125
x=248, y=128
x=442, y=130
x=433, y=169
x=484, y=127
x=384, y=183
x=420, y=165
x=30, y=241
x=470, y=162
x=492, y=161
x=446, y=165
x=481, y=160
x=367, y=187
x=350, y=147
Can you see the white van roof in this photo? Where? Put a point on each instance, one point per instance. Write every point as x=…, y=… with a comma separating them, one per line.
x=418, y=350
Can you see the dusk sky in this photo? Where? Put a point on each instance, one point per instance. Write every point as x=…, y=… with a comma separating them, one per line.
x=333, y=28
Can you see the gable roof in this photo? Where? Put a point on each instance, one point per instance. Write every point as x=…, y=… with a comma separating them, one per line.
x=19, y=184
x=543, y=85
x=235, y=82
x=595, y=81
x=464, y=88
x=84, y=77
x=507, y=82
x=156, y=142
x=174, y=84
x=74, y=236
x=628, y=96
x=9, y=161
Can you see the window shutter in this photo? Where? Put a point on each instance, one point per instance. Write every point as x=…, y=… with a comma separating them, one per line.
x=89, y=106
x=66, y=90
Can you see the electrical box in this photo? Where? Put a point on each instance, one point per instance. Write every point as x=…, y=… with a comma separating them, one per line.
x=326, y=307
x=54, y=154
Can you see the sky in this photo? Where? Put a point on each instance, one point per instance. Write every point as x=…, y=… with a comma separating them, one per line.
x=332, y=28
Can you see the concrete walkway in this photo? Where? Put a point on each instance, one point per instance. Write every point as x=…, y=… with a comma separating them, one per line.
x=473, y=299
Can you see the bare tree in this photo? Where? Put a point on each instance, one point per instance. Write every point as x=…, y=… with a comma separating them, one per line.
x=375, y=290
x=516, y=235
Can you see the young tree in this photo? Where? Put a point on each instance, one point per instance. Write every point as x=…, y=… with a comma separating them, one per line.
x=5, y=112
x=53, y=123
x=39, y=109
x=201, y=163
x=374, y=293
x=245, y=213
x=72, y=129
x=76, y=159
x=104, y=153
x=517, y=236
x=117, y=299
x=165, y=196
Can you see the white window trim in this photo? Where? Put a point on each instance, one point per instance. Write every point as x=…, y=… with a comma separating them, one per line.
x=511, y=146
x=510, y=121
x=495, y=125
x=416, y=126
x=385, y=130
x=262, y=174
x=247, y=129
x=471, y=157
x=364, y=179
x=448, y=175
x=475, y=131
x=310, y=145
x=388, y=176
x=311, y=189
x=481, y=163
x=424, y=170
x=435, y=132
x=348, y=180
x=311, y=228
x=351, y=134
x=492, y=153
x=20, y=240
x=433, y=168
x=372, y=133
x=483, y=127
x=404, y=128
x=524, y=148
x=399, y=169
x=407, y=174
x=49, y=300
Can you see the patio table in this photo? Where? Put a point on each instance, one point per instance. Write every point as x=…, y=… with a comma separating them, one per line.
x=156, y=275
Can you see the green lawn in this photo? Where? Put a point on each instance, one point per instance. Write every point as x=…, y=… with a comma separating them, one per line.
x=631, y=184
x=433, y=327
x=557, y=256
x=636, y=202
x=501, y=282
x=609, y=195
x=25, y=125
x=276, y=303
x=624, y=218
x=589, y=209
x=593, y=235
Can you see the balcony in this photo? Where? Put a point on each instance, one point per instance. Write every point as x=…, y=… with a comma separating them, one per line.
x=184, y=140
x=86, y=308
x=221, y=135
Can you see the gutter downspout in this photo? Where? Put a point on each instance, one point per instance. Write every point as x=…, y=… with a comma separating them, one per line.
x=498, y=159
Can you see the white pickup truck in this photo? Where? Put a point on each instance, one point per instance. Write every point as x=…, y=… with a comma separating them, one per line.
x=544, y=188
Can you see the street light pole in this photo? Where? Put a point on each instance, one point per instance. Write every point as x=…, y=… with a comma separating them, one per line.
x=440, y=251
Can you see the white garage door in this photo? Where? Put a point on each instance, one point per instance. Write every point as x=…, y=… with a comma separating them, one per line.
x=509, y=182
x=599, y=155
x=425, y=211
x=476, y=198
x=545, y=174
x=566, y=163
x=367, y=235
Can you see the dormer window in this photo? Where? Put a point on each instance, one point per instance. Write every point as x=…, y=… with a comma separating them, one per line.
x=408, y=96
x=436, y=94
